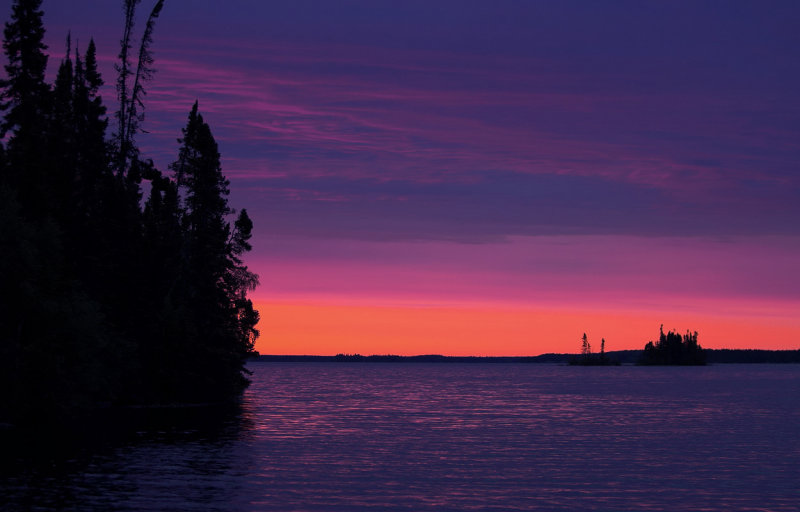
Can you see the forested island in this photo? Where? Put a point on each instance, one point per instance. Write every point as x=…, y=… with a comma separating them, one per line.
x=121, y=284
x=673, y=349
x=587, y=358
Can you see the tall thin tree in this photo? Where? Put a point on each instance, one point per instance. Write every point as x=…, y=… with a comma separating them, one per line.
x=131, y=94
x=123, y=68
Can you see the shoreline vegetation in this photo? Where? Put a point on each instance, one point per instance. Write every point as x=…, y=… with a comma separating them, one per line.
x=122, y=284
x=622, y=357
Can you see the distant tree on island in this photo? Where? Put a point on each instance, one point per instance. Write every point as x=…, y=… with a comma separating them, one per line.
x=586, y=347
x=673, y=349
x=110, y=297
x=587, y=358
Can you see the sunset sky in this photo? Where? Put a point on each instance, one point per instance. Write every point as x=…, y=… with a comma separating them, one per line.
x=491, y=177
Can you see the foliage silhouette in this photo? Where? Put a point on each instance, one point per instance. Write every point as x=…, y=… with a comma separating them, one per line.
x=587, y=358
x=109, y=298
x=673, y=349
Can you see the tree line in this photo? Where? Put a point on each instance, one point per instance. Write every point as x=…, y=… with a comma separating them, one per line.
x=111, y=294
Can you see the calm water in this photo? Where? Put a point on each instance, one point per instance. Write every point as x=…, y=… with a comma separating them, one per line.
x=320, y=436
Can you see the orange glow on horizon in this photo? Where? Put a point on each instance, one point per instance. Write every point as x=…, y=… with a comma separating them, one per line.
x=325, y=328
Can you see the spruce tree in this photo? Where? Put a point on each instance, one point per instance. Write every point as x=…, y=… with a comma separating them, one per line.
x=215, y=280
x=25, y=102
x=23, y=97
x=90, y=131
x=240, y=280
x=130, y=85
x=61, y=143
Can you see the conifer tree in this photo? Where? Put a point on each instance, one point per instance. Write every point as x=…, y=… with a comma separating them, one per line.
x=23, y=97
x=123, y=68
x=90, y=119
x=96, y=190
x=130, y=85
x=240, y=281
x=216, y=281
x=25, y=101
x=61, y=141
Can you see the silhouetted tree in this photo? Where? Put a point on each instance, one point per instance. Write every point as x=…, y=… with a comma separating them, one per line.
x=588, y=359
x=123, y=68
x=25, y=101
x=215, y=282
x=586, y=347
x=61, y=141
x=92, y=150
x=239, y=280
x=131, y=94
x=144, y=73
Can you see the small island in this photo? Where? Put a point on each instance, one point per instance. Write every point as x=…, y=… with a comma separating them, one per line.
x=673, y=349
x=587, y=358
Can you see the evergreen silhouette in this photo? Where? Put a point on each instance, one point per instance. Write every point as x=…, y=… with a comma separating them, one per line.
x=586, y=347
x=25, y=102
x=131, y=94
x=587, y=358
x=111, y=298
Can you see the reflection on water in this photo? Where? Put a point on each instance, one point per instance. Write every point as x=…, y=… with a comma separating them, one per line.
x=317, y=436
x=138, y=459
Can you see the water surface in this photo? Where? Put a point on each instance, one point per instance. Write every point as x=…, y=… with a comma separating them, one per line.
x=405, y=436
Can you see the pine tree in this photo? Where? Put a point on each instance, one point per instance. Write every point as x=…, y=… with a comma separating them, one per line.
x=131, y=94
x=123, y=68
x=61, y=142
x=90, y=127
x=240, y=281
x=25, y=90
x=25, y=102
x=199, y=172
x=216, y=281
x=95, y=187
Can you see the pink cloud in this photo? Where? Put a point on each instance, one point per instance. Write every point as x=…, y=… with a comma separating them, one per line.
x=598, y=271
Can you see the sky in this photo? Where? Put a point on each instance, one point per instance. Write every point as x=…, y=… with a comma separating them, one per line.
x=491, y=177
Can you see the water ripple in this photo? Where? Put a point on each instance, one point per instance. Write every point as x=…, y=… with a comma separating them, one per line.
x=450, y=437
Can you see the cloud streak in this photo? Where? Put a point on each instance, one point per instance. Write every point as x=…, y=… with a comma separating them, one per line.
x=492, y=205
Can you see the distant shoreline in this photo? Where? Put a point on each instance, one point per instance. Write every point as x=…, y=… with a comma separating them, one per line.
x=714, y=356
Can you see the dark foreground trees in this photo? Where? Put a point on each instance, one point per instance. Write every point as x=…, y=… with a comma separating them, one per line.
x=109, y=297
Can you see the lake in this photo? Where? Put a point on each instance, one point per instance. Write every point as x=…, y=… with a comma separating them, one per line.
x=417, y=436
